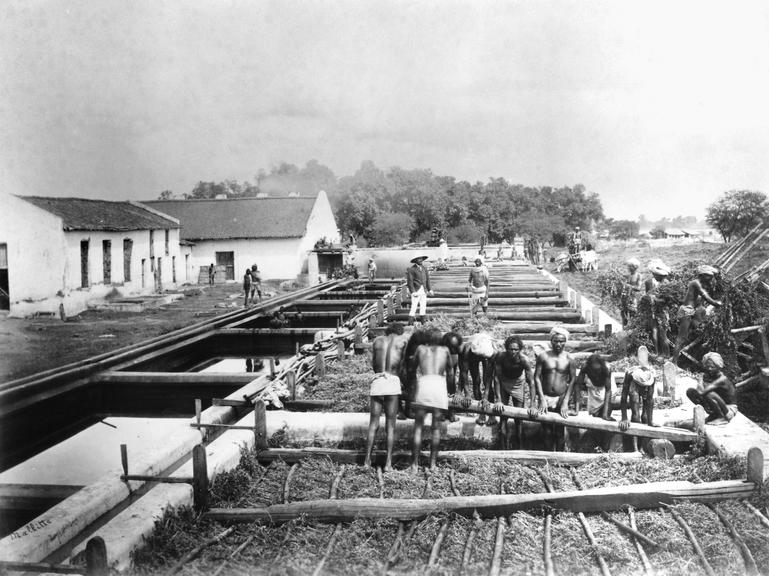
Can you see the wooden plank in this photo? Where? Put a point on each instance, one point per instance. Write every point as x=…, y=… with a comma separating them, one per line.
x=581, y=421
x=640, y=496
x=172, y=378
x=291, y=455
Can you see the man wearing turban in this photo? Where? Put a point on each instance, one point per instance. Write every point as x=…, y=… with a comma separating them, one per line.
x=717, y=395
x=659, y=318
x=696, y=293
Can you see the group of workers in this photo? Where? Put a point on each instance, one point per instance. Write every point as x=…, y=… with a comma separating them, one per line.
x=417, y=373
x=691, y=311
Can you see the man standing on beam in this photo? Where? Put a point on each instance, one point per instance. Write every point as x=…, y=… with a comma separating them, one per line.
x=478, y=287
x=418, y=283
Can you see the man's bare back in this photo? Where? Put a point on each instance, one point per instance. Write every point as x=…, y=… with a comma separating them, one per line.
x=433, y=360
x=396, y=344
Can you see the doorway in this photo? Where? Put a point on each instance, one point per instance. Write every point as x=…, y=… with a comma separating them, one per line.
x=226, y=260
x=84, y=263
x=5, y=298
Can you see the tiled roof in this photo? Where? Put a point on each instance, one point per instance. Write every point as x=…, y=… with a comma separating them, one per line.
x=104, y=215
x=239, y=218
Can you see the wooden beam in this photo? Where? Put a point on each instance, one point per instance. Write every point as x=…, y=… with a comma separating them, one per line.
x=291, y=455
x=173, y=378
x=581, y=421
x=639, y=496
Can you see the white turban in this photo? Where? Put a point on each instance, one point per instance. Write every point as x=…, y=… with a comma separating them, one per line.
x=558, y=330
x=658, y=267
x=642, y=376
x=633, y=262
x=707, y=270
x=713, y=359
x=482, y=345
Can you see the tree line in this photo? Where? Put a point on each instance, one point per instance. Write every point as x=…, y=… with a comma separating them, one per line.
x=395, y=205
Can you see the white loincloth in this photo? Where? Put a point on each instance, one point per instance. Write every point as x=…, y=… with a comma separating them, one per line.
x=385, y=384
x=431, y=392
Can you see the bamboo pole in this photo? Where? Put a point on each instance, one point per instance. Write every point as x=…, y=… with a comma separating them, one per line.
x=692, y=539
x=468, y=550
x=761, y=518
x=587, y=422
x=337, y=528
x=647, y=495
x=287, y=483
x=750, y=563
x=195, y=552
x=499, y=541
x=235, y=552
x=641, y=552
x=588, y=531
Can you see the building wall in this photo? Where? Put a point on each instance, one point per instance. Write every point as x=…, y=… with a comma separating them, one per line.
x=277, y=258
x=142, y=274
x=36, y=255
x=44, y=261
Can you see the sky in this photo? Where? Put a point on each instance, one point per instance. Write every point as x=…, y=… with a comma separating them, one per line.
x=657, y=106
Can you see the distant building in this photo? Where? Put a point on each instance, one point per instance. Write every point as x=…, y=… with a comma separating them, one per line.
x=69, y=251
x=275, y=233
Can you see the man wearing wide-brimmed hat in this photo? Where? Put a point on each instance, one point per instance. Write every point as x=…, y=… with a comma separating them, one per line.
x=418, y=282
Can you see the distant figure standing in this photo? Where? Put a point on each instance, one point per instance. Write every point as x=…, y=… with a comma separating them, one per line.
x=630, y=289
x=418, y=282
x=247, y=286
x=211, y=274
x=478, y=287
x=371, y=269
x=659, y=318
x=575, y=241
x=256, y=283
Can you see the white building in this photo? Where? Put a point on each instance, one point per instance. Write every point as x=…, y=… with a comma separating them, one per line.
x=276, y=234
x=69, y=251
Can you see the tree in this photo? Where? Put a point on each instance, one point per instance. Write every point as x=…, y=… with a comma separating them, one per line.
x=391, y=228
x=166, y=195
x=736, y=212
x=658, y=231
x=622, y=229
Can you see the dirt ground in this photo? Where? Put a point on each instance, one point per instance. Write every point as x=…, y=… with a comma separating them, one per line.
x=32, y=345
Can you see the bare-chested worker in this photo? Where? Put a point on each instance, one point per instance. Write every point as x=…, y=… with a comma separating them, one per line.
x=512, y=371
x=554, y=376
x=431, y=394
x=595, y=376
x=386, y=386
x=452, y=341
x=475, y=356
x=692, y=310
x=658, y=320
x=478, y=287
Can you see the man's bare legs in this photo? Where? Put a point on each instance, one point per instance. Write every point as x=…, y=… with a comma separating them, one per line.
x=419, y=420
x=390, y=406
x=435, y=437
x=373, y=426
